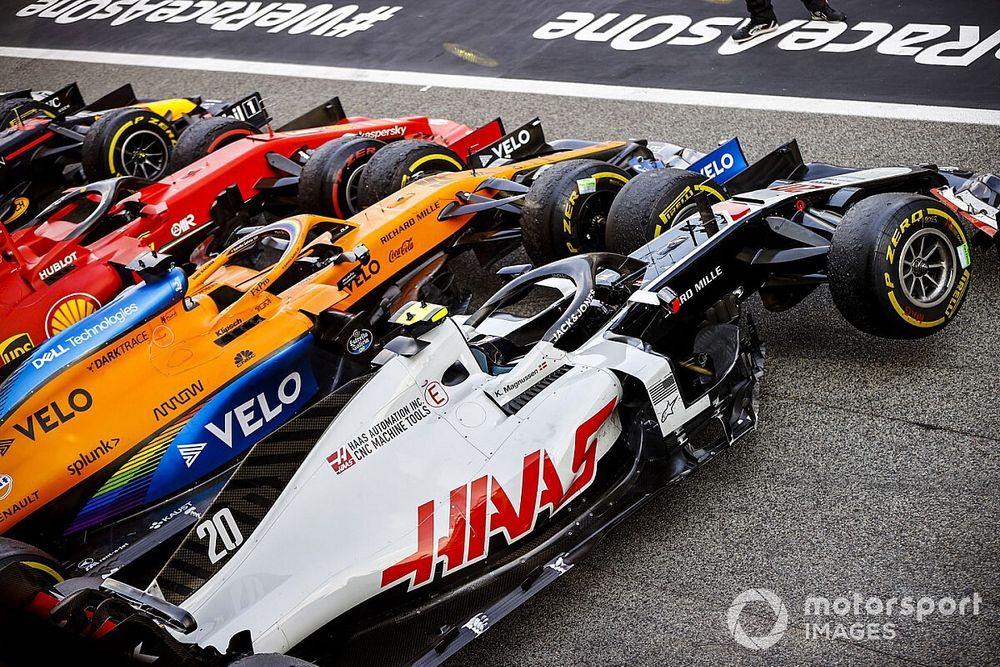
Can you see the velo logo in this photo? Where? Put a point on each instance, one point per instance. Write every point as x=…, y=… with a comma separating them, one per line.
x=767, y=640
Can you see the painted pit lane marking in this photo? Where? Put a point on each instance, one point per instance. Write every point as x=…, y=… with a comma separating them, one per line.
x=539, y=87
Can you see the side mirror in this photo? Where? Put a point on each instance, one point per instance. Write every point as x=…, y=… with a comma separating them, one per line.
x=508, y=273
x=360, y=254
x=134, y=207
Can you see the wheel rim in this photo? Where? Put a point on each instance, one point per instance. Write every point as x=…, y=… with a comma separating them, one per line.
x=594, y=220
x=351, y=190
x=144, y=154
x=927, y=268
x=686, y=212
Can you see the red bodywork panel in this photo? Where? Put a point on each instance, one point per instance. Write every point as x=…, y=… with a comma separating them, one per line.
x=49, y=281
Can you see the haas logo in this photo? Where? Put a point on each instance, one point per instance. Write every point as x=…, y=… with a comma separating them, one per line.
x=483, y=508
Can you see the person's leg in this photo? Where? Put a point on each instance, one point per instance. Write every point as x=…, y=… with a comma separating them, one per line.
x=762, y=21
x=761, y=11
x=820, y=10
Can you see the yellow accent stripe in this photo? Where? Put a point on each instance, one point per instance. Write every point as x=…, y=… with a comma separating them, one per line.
x=44, y=568
x=949, y=218
x=175, y=107
x=916, y=323
x=114, y=142
x=427, y=158
x=418, y=312
x=612, y=175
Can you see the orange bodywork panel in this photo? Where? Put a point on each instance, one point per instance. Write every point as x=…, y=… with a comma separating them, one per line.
x=230, y=319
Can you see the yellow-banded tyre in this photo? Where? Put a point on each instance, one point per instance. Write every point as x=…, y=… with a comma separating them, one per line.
x=207, y=136
x=331, y=177
x=44, y=567
x=403, y=162
x=18, y=109
x=899, y=266
x=566, y=210
x=652, y=203
x=128, y=142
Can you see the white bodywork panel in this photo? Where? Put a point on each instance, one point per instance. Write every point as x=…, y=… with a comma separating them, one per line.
x=323, y=547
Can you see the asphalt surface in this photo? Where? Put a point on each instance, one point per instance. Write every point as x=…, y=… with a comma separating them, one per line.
x=909, y=51
x=874, y=469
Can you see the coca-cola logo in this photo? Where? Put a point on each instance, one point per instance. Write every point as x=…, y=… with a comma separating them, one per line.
x=397, y=253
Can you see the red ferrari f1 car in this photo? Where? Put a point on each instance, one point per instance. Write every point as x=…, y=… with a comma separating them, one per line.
x=74, y=256
x=52, y=140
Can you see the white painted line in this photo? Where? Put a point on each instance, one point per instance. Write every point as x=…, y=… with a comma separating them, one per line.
x=564, y=88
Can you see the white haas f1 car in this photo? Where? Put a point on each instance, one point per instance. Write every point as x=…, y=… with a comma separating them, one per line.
x=406, y=512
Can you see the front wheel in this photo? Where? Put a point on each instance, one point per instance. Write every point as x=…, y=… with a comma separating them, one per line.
x=25, y=108
x=206, y=136
x=401, y=163
x=47, y=571
x=899, y=266
x=331, y=176
x=566, y=210
x=128, y=142
x=652, y=203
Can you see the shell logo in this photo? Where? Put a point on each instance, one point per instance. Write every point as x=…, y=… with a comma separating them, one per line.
x=68, y=311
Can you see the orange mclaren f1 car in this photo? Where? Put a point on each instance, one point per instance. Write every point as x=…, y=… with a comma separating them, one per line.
x=117, y=431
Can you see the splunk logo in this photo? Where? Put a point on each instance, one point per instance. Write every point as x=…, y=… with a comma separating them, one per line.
x=84, y=459
x=925, y=43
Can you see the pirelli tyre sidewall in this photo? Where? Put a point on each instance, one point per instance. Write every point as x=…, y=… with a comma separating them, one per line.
x=128, y=142
x=566, y=211
x=45, y=568
x=331, y=177
x=399, y=164
x=29, y=109
x=206, y=136
x=899, y=266
x=652, y=203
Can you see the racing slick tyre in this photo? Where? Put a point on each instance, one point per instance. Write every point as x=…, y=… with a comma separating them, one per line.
x=31, y=108
x=331, y=176
x=400, y=163
x=566, y=209
x=128, y=142
x=652, y=203
x=206, y=136
x=45, y=567
x=899, y=266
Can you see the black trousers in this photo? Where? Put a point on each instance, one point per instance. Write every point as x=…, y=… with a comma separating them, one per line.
x=762, y=11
